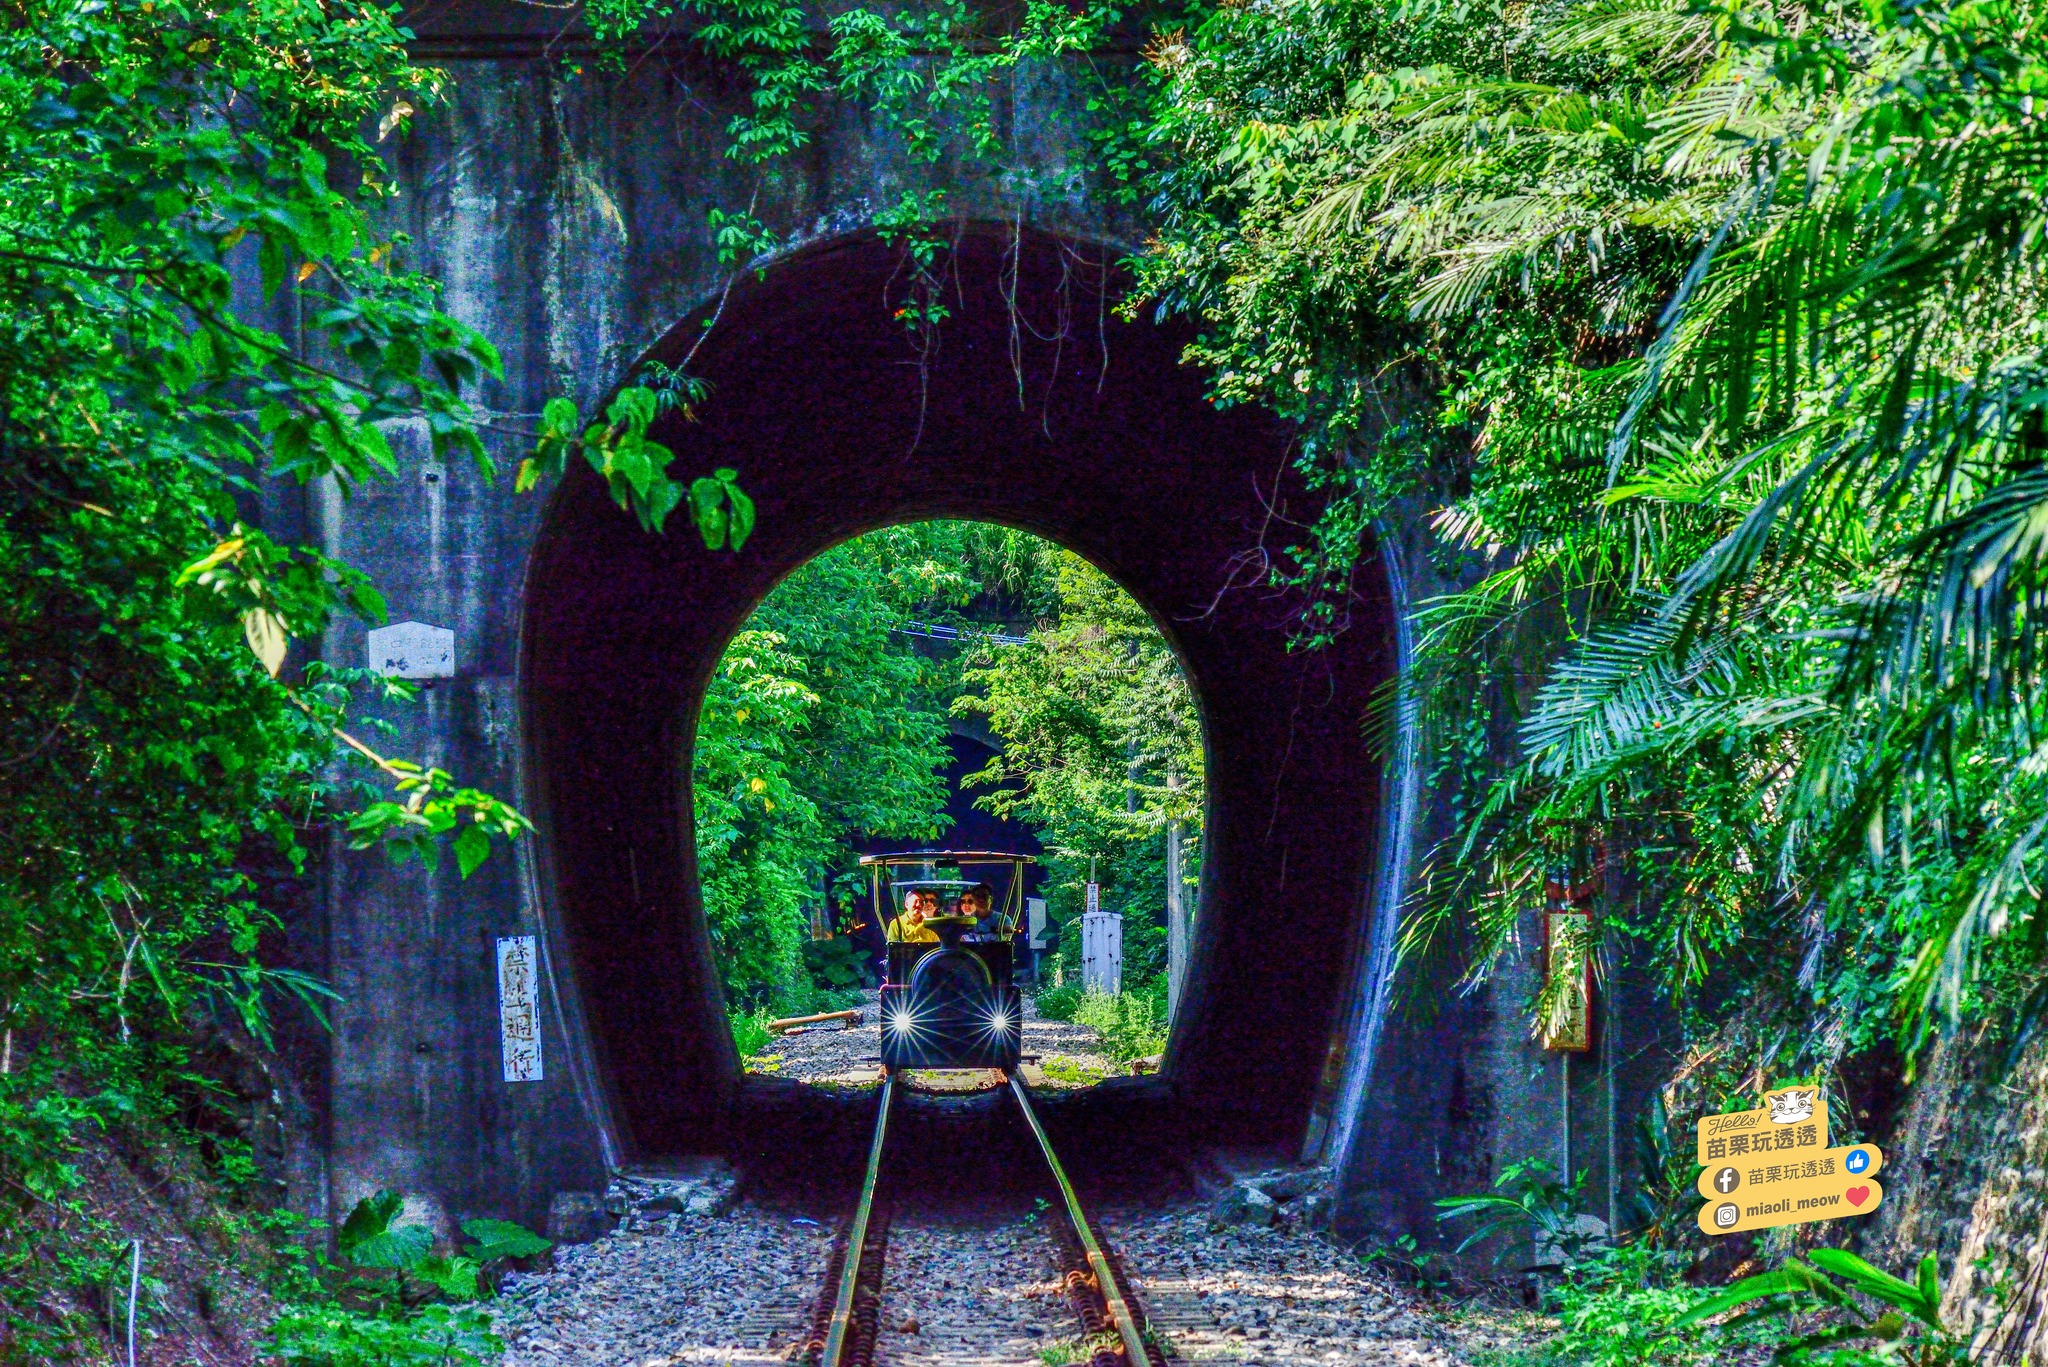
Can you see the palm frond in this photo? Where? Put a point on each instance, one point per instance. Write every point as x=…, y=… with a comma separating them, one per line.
x=1616, y=687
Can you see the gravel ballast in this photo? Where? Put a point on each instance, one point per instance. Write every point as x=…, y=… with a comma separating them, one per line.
x=688, y=1278
x=731, y=1289
x=735, y=1291
x=1270, y=1297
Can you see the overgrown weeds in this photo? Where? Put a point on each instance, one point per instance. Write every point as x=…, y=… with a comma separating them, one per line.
x=749, y=1032
x=1132, y=1023
x=1630, y=1303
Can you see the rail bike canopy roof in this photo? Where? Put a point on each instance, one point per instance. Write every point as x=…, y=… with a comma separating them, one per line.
x=961, y=858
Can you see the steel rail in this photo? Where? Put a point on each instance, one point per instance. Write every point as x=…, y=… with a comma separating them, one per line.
x=839, y=1335
x=1098, y=1262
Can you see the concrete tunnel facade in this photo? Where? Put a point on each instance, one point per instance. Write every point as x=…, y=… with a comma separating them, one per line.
x=1113, y=452
x=566, y=216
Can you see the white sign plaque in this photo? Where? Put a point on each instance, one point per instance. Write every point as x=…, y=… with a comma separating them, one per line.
x=1034, y=910
x=413, y=650
x=1102, y=952
x=519, y=1008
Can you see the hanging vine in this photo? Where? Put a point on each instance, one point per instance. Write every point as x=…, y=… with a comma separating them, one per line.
x=931, y=76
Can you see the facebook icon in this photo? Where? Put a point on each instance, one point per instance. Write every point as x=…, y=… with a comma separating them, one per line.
x=1857, y=1161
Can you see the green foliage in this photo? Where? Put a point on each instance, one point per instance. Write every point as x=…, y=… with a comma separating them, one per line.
x=1527, y=1199
x=433, y=1336
x=1719, y=335
x=1907, y=1327
x=725, y=515
x=824, y=726
x=369, y=1238
x=141, y=621
x=820, y=727
x=635, y=467
x=749, y=1031
x=1132, y=1024
x=202, y=303
x=1102, y=751
x=1073, y=1072
x=1619, y=1304
x=936, y=75
x=496, y=1239
x=834, y=964
x=426, y=804
x=1630, y=1304
x=931, y=74
x=1624, y=1307
x=404, y=1329
x=1059, y=1003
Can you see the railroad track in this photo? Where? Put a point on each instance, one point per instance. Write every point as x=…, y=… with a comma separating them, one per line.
x=846, y=1327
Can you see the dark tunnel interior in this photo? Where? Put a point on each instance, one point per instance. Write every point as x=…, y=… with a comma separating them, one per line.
x=1051, y=415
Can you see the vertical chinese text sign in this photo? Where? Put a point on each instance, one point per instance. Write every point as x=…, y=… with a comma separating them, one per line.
x=518, y=1008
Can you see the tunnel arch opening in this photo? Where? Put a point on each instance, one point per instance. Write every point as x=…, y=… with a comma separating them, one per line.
x=1091, y=434
x=945, y=685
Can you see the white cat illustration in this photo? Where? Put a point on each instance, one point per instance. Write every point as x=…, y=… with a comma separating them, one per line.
x=1792, y=1106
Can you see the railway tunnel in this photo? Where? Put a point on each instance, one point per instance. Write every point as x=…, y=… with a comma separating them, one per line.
x=565, y=215
x=1036, y=408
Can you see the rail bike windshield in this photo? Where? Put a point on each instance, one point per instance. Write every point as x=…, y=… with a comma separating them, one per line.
x=920, y=892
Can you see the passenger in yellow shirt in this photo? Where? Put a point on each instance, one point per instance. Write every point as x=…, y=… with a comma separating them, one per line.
x=909, y=928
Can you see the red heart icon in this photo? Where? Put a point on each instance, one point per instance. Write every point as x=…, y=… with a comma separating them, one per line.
x=1856, y=1196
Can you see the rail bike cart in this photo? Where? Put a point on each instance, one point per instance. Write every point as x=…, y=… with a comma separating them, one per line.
x=948, y=1001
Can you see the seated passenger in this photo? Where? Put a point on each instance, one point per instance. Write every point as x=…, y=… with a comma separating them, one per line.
x=909, y=928
x=978, y=902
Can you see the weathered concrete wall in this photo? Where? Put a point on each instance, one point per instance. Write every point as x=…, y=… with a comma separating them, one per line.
x=1447, y=1085
x=1966, y=1179
x=566, y=214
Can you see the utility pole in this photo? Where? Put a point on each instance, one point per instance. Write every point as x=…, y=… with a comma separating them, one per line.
x=1176, y=912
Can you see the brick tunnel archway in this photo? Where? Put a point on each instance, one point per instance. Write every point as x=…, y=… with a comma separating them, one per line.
x=818, y=400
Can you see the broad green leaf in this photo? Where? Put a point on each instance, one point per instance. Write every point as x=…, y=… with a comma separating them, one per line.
x=455, y=1278
x=371, y=1215
x=401, y=1247
x=1877, y=1283
x=661, y=500
x=219, y=555
x=503, y=1239
x=707, y=509
x=370, y=440
x=369, y=604
x=472, y=848
x=270, y=259
x=558, y=418
x=634, y=409
x=1742, y=1293
x=742, y=520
